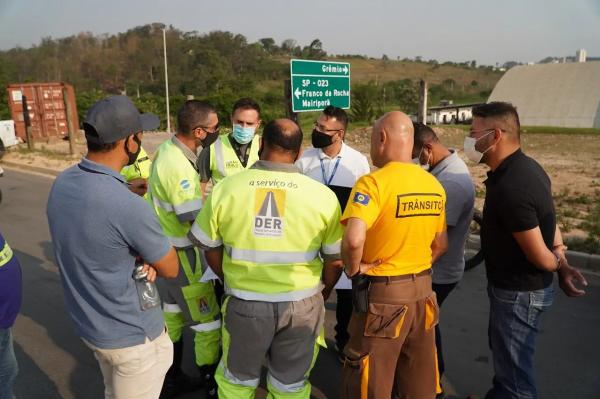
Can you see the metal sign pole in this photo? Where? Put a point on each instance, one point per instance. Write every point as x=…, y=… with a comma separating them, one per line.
x=166, y=81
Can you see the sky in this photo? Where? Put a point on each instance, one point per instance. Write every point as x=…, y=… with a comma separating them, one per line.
x=487, y=31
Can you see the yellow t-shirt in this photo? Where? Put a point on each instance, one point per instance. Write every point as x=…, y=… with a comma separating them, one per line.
x=403, y=207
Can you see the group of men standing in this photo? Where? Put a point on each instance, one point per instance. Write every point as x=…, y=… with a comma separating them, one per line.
x=251, y=236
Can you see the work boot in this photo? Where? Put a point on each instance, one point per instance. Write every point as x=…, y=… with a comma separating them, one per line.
x=207, y=375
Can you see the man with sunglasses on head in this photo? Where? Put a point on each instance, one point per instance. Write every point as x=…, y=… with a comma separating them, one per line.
x=522, y=246
x=175, y=195
x=235, y=152
x=338, y=166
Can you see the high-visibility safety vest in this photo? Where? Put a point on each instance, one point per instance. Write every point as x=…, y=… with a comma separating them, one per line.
x=139, y=169
x=174, y=190
x=225, y=162
x=273, y=225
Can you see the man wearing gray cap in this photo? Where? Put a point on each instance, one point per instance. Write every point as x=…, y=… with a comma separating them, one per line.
x=99, y=228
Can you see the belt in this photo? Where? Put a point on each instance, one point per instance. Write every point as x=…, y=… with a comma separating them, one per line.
x=388, y=279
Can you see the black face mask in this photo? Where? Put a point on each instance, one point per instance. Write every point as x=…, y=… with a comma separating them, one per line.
x=209, y=139
x=320, y=140
x=132, y=156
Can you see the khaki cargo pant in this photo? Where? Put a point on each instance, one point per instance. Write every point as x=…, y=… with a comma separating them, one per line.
x=392, y=346
x=135, y=372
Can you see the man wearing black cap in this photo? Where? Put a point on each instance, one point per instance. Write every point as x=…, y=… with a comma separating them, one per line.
x=98, y=229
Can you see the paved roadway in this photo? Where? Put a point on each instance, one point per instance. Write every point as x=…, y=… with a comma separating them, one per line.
x=55, y=364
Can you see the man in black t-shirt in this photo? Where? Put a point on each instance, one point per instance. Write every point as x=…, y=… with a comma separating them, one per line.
x=522, y=245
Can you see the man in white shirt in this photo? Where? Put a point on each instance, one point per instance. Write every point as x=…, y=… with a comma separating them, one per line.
x=338, y=166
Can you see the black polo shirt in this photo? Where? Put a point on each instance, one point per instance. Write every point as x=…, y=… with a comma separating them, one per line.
x=518, y=198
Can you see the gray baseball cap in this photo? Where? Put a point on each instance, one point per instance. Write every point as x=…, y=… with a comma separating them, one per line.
x=114, y=118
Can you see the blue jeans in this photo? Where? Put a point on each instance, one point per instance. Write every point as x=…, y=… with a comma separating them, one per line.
x=513, y=327
x=8, y=364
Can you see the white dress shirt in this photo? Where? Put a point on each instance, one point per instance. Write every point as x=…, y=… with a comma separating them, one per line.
x=343, y=170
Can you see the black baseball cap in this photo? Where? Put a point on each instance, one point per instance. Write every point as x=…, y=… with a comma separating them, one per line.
x=114, y=118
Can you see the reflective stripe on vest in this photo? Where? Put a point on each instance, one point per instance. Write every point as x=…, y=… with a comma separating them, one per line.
x=270, y=257
x=171, y=308
x=210, y=326
x=234, y=380
x=180, y=242
x=222, y=153
x=203, y=238
x=6, y=254
x=332, y=249
x=287, y=388
x=278, y=297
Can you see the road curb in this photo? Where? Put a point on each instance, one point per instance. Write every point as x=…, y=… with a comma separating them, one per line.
x=36, y=169
x=582, y=260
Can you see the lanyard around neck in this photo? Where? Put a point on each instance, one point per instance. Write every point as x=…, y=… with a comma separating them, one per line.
x=326, y=181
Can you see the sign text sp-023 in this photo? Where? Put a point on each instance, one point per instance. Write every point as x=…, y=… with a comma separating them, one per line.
x=317, y=84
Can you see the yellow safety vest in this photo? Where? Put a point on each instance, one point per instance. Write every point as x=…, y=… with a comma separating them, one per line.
x=225, y=162
x=273, y=225
x=174, y=189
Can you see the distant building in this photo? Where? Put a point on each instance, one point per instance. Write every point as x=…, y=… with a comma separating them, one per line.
x=581, y=55
x=450, y=113
x=565, y=95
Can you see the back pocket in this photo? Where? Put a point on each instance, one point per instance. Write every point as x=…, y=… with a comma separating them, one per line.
x=384, y=320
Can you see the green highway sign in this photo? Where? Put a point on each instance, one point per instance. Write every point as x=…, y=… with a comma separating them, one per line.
x=317, y=84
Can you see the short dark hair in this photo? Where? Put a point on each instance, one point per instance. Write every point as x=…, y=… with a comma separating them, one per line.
x=193, y=113
x=278, y=134
x=246, y=103
x=500, y=110
x=94, y=145
x=423, y=135
x=339, y=114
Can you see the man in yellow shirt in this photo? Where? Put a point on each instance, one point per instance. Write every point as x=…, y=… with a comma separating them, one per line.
x=395, y=229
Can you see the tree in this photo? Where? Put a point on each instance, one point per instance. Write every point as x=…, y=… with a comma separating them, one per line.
x=268, y=43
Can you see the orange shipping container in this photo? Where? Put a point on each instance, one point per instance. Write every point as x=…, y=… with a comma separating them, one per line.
x=46, y=104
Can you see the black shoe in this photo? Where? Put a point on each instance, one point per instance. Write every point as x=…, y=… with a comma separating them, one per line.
x=207, y=375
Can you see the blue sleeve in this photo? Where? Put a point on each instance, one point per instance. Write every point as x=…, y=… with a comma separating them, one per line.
x=141, y=231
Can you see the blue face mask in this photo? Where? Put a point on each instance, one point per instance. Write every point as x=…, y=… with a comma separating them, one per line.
x=243, y=135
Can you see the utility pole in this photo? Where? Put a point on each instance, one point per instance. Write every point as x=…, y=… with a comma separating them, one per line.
x=422, y=113
x=166, y=81
x=27, y=121
x=70, y=126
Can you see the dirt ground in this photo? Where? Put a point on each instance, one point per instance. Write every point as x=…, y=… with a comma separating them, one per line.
x=572, y=161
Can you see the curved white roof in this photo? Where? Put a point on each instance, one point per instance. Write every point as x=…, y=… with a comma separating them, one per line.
x=565, y=95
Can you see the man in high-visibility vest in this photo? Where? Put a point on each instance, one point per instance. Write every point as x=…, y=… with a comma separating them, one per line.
x=174, y=192
x=267, y=226
x=137, y=173
x=236, y=151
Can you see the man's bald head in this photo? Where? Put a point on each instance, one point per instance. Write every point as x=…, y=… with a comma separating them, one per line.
x=281, y=137
x=392, y=139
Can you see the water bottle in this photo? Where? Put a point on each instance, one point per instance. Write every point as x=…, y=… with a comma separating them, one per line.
x=147, y=291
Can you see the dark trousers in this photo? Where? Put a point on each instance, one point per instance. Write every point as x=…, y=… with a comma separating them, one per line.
x=441, y=292
x=343, y=313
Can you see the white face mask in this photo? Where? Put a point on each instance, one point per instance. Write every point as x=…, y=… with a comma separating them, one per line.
x=469, y=148
x=417, y=161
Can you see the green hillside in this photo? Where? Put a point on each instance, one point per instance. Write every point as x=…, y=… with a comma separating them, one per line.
x=223, y=66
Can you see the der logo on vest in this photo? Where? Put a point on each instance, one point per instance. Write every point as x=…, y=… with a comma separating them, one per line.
x=269, y=208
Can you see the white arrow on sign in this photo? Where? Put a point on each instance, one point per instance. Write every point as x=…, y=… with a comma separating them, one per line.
x=345, y=69
x=297, y=93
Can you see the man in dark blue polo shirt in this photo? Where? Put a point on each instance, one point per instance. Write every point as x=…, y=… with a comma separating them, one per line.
x=522, y=246
x=98, y=228
x=10, y=303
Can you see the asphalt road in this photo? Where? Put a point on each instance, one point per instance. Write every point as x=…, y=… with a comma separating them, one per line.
x=55, y=364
